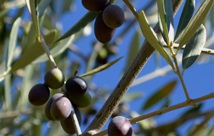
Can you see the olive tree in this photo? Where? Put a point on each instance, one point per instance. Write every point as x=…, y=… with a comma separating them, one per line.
x=48, y=79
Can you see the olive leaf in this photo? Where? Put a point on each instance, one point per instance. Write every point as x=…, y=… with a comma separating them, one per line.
x=186, y=15
x=160, y=94
x=194, y=47
x=33, y=52
x=195, y=22
x=131, y=96
x=101, y=68
x=12, y=42
x=134, y=47
x=87, y=18
x=151, y=37
x=32, y=5
x=166, y=21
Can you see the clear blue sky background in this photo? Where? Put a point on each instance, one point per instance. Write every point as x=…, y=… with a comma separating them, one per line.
x=198, y=78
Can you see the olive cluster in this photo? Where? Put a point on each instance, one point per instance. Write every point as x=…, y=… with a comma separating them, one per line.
x=120, y=126
x=110, y=17
x=64, y=105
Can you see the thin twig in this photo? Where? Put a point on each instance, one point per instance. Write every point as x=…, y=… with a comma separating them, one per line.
x=133, y=10
x=165, y=110
x=204, y=50
x=139, y=62
x=46, y=48
x=177, y=122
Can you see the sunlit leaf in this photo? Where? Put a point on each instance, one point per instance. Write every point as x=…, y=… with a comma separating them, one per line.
x=195, y=22
x=32, y=5
x=131, y=96
x=79, y=25
x=166, y=21
x=12, y=42
x=7, y=93
x=212, y=17
x=194, y=47
x=160, y=94
x=151, y=37
x=186, y=15
x=33, y=52
x=101, y=68
x=42, y=6
x=25, y=88
x=133, y=49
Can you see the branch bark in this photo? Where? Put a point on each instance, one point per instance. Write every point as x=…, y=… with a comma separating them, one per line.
x=139, y=62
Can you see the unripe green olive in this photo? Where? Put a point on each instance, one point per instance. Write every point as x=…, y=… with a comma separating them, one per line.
x=54, y=78
x=81, y=101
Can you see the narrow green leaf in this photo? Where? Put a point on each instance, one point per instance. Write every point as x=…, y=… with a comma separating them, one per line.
x=33, y=52
x=134, y=47
x=7, y=93
x=166, y=21
x=151, y=37
x=212, y=17
x=32, y=5
x=194, y=47
x=42, y=6
x=160, y=94
x=25, y=88
x=132, y=96
x=87, y=18
x=12, y=42
x=101, y=68
x=186, y=15
x=195, y=22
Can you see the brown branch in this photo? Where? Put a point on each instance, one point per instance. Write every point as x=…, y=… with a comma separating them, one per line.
x=139, y=62
x=166, y=109
x=174, y=124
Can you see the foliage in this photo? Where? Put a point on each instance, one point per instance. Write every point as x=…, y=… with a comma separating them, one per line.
x=33, y=41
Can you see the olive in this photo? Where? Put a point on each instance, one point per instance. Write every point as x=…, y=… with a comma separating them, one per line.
x=48, y=105
x=95, y=5
x=113, y=16
x=75, y=86
x=102, y=32
x=120, y=126
x=61, y=108
x=39, y=94
x=54, y=78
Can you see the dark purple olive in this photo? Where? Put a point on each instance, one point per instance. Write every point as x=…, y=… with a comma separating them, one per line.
x=61, y=108
x=68, y=125
x=102, y=32
x=95, y=5
x=113, y=16
x=49, y=103
x=120, y=126
x=75, y=86
x=39, y=94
